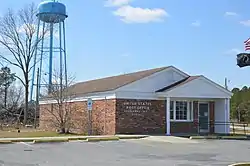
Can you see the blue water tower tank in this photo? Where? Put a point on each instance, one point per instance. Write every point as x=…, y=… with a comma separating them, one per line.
x=52, y=12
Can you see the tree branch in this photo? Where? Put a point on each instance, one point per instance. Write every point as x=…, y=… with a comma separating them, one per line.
x=20, y=79
x=10, y=62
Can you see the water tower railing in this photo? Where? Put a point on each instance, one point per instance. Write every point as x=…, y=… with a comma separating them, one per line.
x=47, y=49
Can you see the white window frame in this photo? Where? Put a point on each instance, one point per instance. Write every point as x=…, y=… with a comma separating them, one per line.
x=190, y=112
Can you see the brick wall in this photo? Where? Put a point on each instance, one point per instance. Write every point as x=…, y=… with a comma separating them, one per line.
x=211, y=116
x=140, y=116
x=123, y=116
x=102, y=117
x=183, y=127
x=192, y=127
x=49, y=117
x=187, y=127
x=46, y=119
x=79, y=117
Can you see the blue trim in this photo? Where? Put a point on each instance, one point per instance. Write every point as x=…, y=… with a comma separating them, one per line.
x=34, y=67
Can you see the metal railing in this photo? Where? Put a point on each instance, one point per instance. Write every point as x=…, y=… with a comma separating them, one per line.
x=222, y=127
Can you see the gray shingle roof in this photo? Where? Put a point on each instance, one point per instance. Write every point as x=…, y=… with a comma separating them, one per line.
x=110, y=83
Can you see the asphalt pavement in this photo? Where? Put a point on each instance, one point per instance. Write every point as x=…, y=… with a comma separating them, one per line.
x=126, y=152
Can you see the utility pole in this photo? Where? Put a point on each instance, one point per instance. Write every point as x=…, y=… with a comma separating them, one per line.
x=105, y=112
x=226, y=81
x=37, y=96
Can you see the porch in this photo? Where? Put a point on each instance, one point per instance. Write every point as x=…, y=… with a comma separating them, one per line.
x=197, y=105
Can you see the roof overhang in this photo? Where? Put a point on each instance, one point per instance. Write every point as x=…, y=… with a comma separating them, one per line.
x=82, y=97
x=201, y=87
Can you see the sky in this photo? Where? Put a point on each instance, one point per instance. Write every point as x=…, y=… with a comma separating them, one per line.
x=111, y=37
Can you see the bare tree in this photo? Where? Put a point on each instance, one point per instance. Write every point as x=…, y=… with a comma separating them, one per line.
x=15, y=98
x=6, y=79
x=10, y=113
x=19, y=38
x=61, y=109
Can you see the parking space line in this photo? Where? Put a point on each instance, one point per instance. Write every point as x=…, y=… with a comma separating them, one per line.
x=26, y=144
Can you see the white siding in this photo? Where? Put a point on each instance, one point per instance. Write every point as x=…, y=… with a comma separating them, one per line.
x=154, y=82
x=138, y=95
x=219, y=113
x=102, y=96
x=198, y=88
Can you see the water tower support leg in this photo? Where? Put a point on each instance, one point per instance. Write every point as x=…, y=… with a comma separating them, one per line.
x=34, y=67
x=50, y=57
x=41, y=59
x=65, y=57
x=61, y=58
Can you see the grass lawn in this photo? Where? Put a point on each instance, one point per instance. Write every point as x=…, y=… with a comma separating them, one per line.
x=27, y=134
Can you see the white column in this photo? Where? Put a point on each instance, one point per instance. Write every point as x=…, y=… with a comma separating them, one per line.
x=168, y=116
x=227, y=115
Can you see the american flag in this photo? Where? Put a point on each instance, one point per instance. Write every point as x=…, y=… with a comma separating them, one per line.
x=247, y=44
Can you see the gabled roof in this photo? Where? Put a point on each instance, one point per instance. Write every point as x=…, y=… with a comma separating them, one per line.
x=189, y=79
x=110, y=83
x=178, y=83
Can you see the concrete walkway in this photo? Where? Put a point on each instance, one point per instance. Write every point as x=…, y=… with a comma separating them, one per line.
x=170, y=139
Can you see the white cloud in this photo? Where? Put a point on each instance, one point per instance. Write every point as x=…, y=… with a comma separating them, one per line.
x=233, y=51
x=125, y=55
x=130, y=14
x=110, y=3
x=230, y=14
x=196, y=24
x=245, y=23
x=22, y=30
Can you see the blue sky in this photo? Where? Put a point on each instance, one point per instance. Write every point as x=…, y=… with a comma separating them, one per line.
x=112, y=37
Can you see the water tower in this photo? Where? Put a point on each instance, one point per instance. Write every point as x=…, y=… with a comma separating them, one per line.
x=51, y=49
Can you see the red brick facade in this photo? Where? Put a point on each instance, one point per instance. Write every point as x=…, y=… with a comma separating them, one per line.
x=140, y=116
x=192, y=127
x=102, y=117
x=211, y=117
x=123, y=116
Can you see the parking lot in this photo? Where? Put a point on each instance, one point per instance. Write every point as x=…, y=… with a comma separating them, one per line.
x=121, y=153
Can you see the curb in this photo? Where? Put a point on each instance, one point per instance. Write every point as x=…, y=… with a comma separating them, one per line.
x=67, y=139
x=204, y=137
x=6, y=142
x=220, y=137
x=50, y=140
x=240, y=164
x=234, y=137
x=77, y=139
x=131, y=137
x=103, y=139
x=21, y=140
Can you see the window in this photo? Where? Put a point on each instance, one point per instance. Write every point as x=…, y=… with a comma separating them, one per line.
x=181, y=110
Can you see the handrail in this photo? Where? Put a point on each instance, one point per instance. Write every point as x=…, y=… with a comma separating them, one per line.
x=243, y=127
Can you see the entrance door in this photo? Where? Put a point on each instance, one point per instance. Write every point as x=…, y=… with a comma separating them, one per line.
x=204, y=117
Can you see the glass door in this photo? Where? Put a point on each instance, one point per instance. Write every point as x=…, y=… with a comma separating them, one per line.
x=204, y=117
